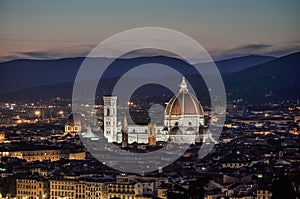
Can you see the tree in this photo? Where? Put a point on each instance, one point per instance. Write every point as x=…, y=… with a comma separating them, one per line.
x=195, y=190
x=283, y=188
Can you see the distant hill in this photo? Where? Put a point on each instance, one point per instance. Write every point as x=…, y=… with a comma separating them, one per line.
x=25, y=73
x=273, y=80
x=240, y=63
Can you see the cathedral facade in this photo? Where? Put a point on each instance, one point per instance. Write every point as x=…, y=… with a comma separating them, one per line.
x=183, y=118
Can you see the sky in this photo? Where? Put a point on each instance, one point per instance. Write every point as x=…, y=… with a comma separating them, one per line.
x=225, y=28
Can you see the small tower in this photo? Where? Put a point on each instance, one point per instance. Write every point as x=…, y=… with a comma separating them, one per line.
x=151, y=134
x=110, y=118
x=125, y=132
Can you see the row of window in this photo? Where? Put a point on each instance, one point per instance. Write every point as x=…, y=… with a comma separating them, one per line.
x=236, y=164
x=120, y=191
x=42, y=153
x=93, y=189
x=55, y=194
x=30, y=197
x=43, y=158
x=120, y=185
x=62, y=187
x=76, y=128
x=121, y=196
x=25, y=186
x=27, y=181
x=27, y=192
x=263, y=191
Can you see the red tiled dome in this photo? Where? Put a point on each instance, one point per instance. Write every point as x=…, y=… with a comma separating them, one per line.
x=184, y=103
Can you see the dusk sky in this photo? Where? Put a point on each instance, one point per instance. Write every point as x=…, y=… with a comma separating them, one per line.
x=54, y=29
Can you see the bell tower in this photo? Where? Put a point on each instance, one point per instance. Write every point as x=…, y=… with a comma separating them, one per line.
x=110, y=118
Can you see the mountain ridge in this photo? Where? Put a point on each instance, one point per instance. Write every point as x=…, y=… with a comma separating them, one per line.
x=254, y=83
x=28, y=73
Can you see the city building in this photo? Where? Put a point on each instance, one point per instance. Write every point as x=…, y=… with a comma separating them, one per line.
x=2, y=137
x=67, y=189
x=95, y=190
x=72, y=126
x=37, y=155
x=263, y=194
x=77, y=155
x=131, y=187
x=32, y=189
x=125, y=187
x=183, y=118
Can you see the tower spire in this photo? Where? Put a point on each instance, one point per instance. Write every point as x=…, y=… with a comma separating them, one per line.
x=183, y=86
x=125, y=132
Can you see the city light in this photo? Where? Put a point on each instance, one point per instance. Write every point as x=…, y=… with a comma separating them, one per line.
x=37, y=113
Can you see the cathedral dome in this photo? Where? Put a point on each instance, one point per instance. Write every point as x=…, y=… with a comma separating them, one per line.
x=184, y=103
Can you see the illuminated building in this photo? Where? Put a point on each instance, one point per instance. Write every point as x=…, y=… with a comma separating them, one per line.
x=95, y=190
x=67, y=189
x=131, y=190
x=151, y=134
x=72, y=126
x=99, y=190
x=2, y=137
x=263, y=194
x=235, y=165
x=183, y=118
x=127, y=187
x=130, y=187
x=162, y=192
x=32, y=189
x=121, y=190
x=184, y=110
x=37, y=155
x=77, y=156
x=110, y=118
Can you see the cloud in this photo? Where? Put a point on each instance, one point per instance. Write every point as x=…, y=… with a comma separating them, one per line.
x=276, y=49
x=81, y=50
x=37, y=55
x=149, y=52
x=70, y=51
x=252, y=47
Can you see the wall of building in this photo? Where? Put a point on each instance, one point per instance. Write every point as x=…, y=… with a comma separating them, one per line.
x=32, y=189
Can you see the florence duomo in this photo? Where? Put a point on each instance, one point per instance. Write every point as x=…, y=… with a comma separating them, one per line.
x=183, y=122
